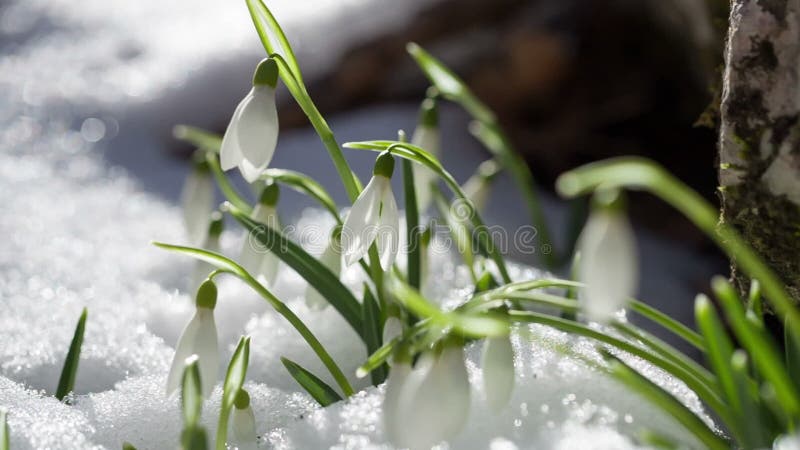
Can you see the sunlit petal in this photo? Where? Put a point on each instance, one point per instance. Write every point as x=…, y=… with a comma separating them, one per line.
x=257, y=130
x=207, y=350
x=388, y=239
x=230, y=154
x=392, y=328
x=608, y=265
x=360, y=227
x=497, y=365
x=183, y=350
x=197, y=199
x=243, y=424
x=392, y=415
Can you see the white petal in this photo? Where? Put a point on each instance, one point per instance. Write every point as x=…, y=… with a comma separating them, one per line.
x=497, y=364
x=392, y=328
x=388, y=230
x=207, y=350
x=427, y=138
x=392, y=415
x=183, y=350
x=230, y=154
x=255, y=257
x=257, y=130
x=608, y=265
x=361, y=225
x=243, y=424
x=404, y=415
x=477, y=190
x=332, y=259
x=249, y=171
x=439, y=405
x=197, y=199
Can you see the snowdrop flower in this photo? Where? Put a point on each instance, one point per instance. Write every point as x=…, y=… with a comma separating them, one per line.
x=198, y=338
x=374, y=215
x=332, y=259
x=478, y=186
x=608, y=263
x=427, y=137
x=211, y=243
x=433, y=401
x=497, y=364
x=197, y=199
x=787, y=442
x=395, y=385
x=392, y=328
x=258, y=260
x=249, y=142
x=243, y=422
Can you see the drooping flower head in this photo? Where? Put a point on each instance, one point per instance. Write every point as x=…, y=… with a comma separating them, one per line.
x=608, y=264
x=243, y=422
x=258, y=260
x=433, y=399
x=197, y=200
x=374, y=217
x=249, y=142
x=427, y=137
x=332, y=259
x=198, y=338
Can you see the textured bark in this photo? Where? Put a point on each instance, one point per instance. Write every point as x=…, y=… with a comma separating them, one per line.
x=759, y=144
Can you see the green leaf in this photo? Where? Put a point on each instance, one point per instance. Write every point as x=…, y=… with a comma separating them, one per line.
x=759, y=346
x=719, y=349
x=272, y=36
x=128, y=446
x=305, y=185
x=194, y=439
x=449, y=84
x=751, y=425
x=414, y=253
x=321, y=392
x=320, y=277
x=198, y=137
x=4, y=433
x=791, y=340
x=227, y=265
x=652, y=392
x=191, y=396
x=234, y=379
x=373, y=335
x=66, y=383
x=468, y=325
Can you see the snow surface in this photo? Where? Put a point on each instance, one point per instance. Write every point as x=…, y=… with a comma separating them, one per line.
x=77, y=230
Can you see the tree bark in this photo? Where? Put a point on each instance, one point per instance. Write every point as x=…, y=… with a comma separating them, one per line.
x=759, y=145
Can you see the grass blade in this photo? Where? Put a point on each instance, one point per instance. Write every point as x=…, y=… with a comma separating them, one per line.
x=305, y=185
x=316, y=388
x=227, y=265
x=66, y=383
x=412, y=226
x=791, y=341
x=647, y=389
x=373, y=335
x=193, y=436
x=234, y=379
x=4, y=433
x=320, y=277
x=750, y=426
x=759, y=346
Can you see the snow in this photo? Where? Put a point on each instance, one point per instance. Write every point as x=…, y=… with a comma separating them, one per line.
x=76, y=229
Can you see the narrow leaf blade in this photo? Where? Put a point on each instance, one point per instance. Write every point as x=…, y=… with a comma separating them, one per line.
x=320, y=277
x=66, y=383
x=234, y=379
x=318, y=389
x=372, y=332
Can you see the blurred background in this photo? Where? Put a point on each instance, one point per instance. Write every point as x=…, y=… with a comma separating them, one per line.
x=92, y=90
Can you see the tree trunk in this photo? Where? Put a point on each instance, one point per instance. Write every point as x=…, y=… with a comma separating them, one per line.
x=759, y=144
